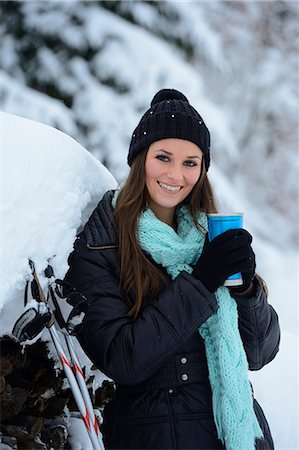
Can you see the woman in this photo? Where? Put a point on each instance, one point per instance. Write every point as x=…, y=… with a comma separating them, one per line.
x=160, y=323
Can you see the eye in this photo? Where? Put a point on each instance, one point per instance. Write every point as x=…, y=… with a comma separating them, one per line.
x=163, y=158
x=190, y=163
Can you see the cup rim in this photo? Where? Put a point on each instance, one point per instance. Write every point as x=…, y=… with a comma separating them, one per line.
x=225, y=214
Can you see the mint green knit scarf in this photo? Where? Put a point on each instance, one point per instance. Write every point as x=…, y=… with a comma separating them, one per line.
x=234, y=416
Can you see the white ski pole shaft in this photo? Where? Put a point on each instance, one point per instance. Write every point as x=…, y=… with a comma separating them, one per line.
x=84, y=391
x=75, y=389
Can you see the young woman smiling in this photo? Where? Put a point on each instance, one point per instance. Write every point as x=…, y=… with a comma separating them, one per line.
x=160, y=323
x=172, y=168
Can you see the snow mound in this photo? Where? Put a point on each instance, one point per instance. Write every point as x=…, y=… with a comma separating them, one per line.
x=50, y=185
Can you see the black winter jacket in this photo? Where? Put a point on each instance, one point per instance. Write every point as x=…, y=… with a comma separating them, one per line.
x=158, y=362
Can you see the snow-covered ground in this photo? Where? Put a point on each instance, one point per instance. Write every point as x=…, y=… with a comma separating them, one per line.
x=50, y=184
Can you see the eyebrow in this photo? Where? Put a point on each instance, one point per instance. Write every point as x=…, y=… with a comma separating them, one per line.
x=170, y=154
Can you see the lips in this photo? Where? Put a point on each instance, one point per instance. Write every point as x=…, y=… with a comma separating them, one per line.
x=169, y=188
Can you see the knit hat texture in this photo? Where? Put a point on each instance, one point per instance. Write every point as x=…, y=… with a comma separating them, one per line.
x=170, y=116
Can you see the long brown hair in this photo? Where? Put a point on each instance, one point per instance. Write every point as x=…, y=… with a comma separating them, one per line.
x=138, y=273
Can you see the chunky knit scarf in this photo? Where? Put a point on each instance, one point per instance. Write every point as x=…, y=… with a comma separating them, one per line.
x=235, y=420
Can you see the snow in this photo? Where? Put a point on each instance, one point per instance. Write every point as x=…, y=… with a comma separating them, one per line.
x=50, y=185
x=51, y=111
x=276, y=386
x=236, y=61
x=78, y=438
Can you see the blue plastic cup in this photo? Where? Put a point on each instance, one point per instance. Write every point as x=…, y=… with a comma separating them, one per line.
x=217, y=224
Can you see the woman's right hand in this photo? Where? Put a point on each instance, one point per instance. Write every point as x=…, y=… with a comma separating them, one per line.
x=226, y=254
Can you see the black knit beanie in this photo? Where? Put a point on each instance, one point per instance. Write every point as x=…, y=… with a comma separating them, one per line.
x=170, y=116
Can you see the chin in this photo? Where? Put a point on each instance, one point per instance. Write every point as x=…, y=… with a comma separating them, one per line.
x=170, y=204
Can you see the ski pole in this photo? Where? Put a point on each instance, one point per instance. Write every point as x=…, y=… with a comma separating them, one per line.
x=82, y=384
x=84, y=409
x=73, y=356
x=75, y=389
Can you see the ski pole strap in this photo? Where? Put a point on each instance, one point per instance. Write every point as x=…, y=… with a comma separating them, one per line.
x=75, y=319
x=74, y=298
x=57, y=311
x=26, y=293
x=36, y=289
x=37, y=314
x=32, y=321
x=66, y=291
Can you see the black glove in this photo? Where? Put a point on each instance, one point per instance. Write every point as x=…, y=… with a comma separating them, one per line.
x=228, y=253
x=247, y=276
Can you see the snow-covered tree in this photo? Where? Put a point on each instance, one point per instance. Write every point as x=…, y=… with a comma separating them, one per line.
x=90, y=69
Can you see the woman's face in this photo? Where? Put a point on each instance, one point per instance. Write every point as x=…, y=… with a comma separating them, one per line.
x=172, y=168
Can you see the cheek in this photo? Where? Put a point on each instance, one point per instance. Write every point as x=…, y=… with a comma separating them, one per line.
x=193, y=178
x=152, y=171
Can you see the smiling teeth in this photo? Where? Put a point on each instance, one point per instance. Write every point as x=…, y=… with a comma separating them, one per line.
x=170, y=188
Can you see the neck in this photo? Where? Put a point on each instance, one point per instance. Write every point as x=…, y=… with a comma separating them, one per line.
x=165, y=215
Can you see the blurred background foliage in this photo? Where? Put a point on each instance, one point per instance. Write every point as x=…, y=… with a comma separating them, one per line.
x=91, y=68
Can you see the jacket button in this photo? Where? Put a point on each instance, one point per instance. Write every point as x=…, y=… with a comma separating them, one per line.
x=185, y=377
x=183, y=360
x=170, y=391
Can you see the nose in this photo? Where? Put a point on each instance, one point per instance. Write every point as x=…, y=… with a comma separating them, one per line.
x=174, y=172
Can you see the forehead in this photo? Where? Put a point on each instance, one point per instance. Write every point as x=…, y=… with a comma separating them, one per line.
x=177, y=147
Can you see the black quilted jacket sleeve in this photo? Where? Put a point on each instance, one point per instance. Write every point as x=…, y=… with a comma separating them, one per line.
x=259, y=328
x=130, y=351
